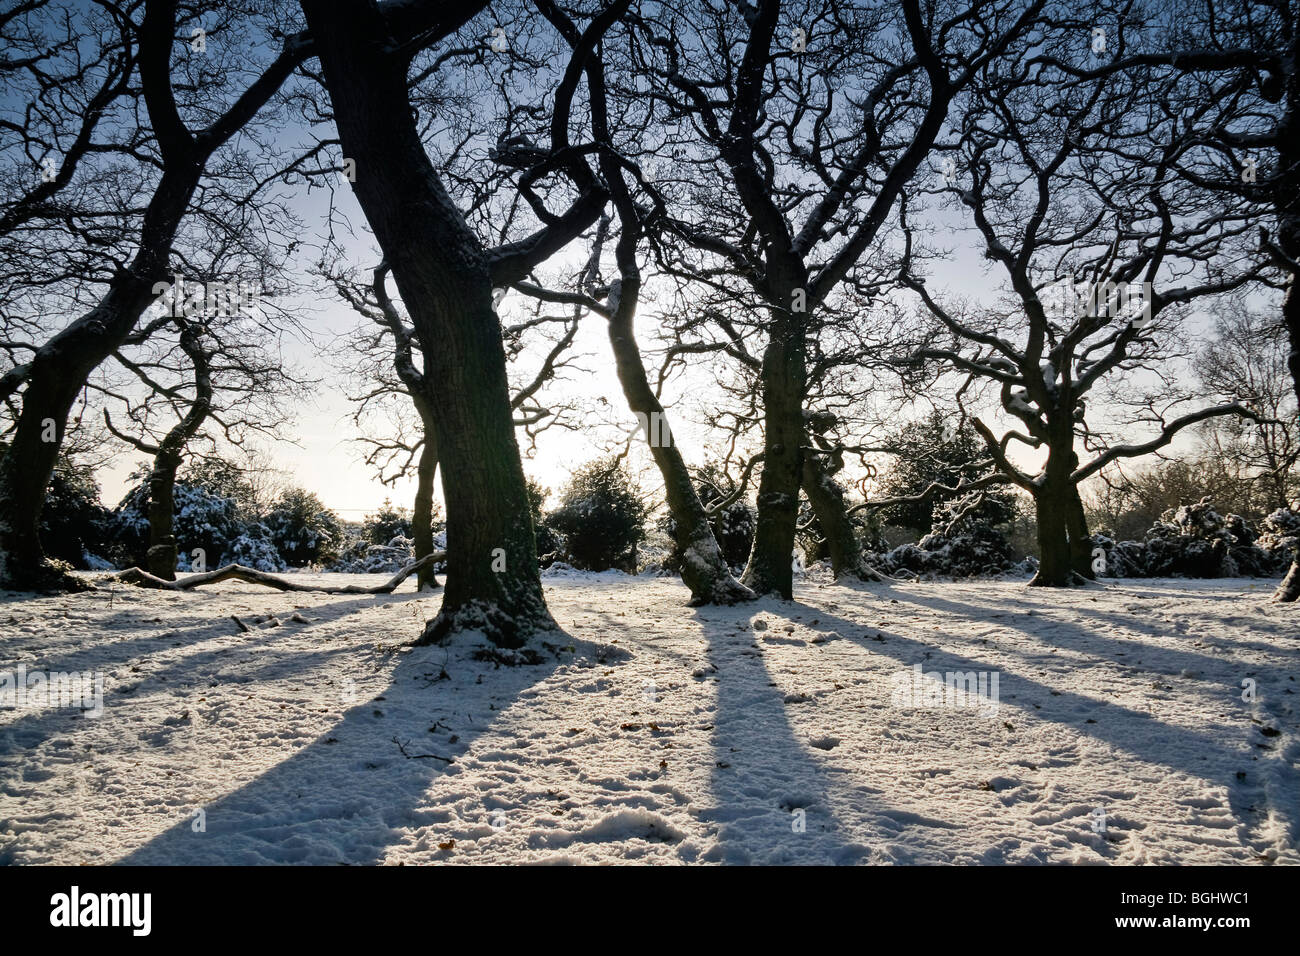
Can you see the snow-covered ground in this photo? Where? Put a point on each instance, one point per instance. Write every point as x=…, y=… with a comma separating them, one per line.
x=655, y=732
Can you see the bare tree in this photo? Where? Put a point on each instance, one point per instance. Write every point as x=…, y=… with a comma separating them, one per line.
x=217, y=382
x=1235, y=62
x=42, y=388
x=1246, y=362
x=446, y=275
x=392, y=382
x=1072, y=190
x=782, y=182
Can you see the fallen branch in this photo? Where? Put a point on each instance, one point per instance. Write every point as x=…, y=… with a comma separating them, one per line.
x=144, y=579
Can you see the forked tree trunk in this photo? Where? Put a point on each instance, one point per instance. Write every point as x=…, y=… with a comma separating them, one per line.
x=783, y=381
x=827, y=500
x=704, y=569
x=1063, y=543
x=493, y=581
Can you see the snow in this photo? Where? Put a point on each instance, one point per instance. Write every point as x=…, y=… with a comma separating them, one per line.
x=763, y=733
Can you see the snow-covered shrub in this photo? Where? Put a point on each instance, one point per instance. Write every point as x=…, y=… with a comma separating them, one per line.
x=202, y=519
x=934, y=449
x=600, y=519
x=549, y=542
x=303, y=530
x=253, y=549
x=1280, y=536
x=362, y=557
x=386, y=523
x=74, y=525
x=967, y=544
x=1196, y=541
x=1123, y=559
x=93, y=562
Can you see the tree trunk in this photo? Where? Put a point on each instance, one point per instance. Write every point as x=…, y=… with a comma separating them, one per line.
x=1076, y=525
x=238, y=572
x=827, y=500
x=704, y=570
x=783, y=382
x=1054, y=559
x=441, y=269
x=25, y=471
x=161, y=557
x=1287, y=205
x=422, y=513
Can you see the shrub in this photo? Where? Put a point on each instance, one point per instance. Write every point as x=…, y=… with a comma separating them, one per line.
x=386, y=523
x=1280, y=536
x=969, y=542
x=74, y=525
x=931, y=449
x=549, y=541
x=303, y=530
x=253, y=549
x=203, y=519
x=600, y=518
x=1196, y=541
x=363, y=557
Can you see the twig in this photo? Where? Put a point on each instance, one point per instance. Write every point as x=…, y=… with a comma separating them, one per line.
x=419, y=756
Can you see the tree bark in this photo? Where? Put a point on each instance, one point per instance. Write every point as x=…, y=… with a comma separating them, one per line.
x=441, y=269
x=704, y=570
x=1076, y=526
x=422, y=512
x=161, y=556
x=783, y=380
x=1286, y=201
x=827, y=500
x=1054, y=560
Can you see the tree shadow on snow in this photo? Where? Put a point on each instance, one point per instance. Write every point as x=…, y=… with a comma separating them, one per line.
x=1145, y=735
x=774, y=799
x=352, y=792
x=188, y=669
